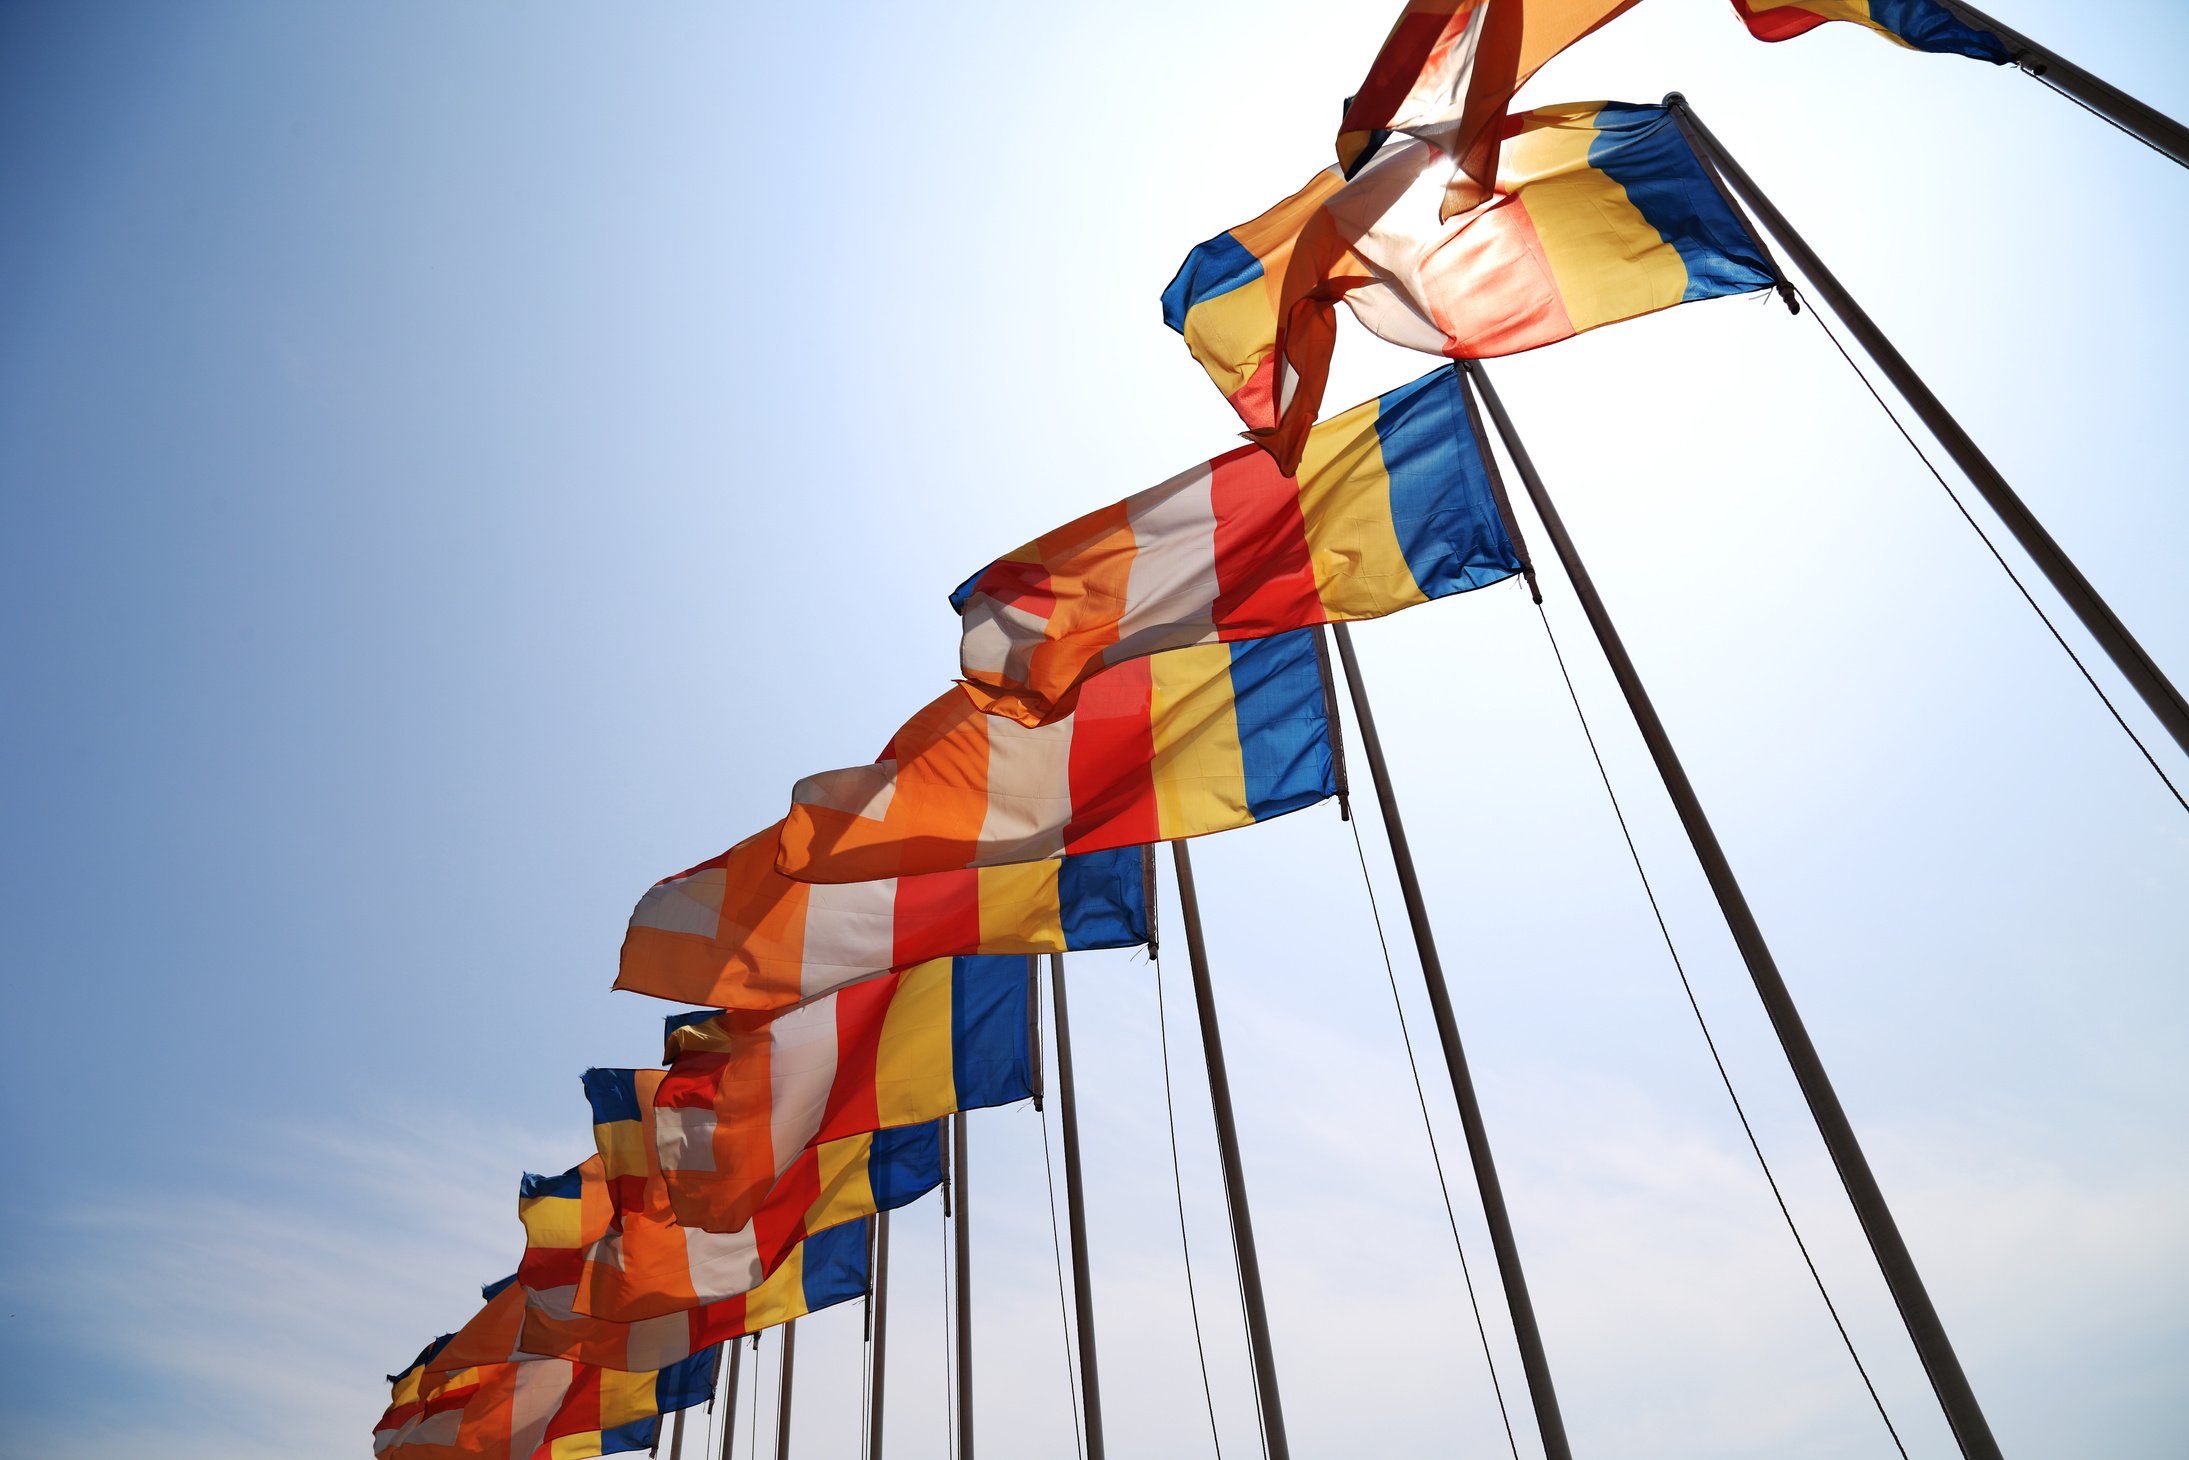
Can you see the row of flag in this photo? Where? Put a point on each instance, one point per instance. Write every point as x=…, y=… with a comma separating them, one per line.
x=1149, y=671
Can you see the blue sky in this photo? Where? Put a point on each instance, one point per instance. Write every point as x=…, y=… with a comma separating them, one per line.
x=460, y=464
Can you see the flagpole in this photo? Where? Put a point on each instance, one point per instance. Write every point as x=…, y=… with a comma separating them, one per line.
x=1924, y=1327
x=782, y=1391
x=879, y=1342
x=962, y=1237
x=1075, y=1210
x=1541, y=1391
x=2144, y=122
x=676, y=1437
x=1227, y=1152
x=729, y=1402
x=2067, y=580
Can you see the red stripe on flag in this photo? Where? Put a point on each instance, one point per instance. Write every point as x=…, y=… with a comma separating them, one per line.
x=690, y=1082
x=936, y=915
x=852, y=1103
x=717, y=1321
x=1112, y=758
x=1265, y=579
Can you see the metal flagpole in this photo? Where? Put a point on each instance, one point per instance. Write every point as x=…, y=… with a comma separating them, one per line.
x=1533, y=1361
x=729, y=1401
x=1924, y=1328
x=2145, y=123
x=676, y=1437
x=1227, y=1152
x=782, y=1391
x=879, y=1342
x=2067, y=580
x=1075, y=1209
x=962, y=1237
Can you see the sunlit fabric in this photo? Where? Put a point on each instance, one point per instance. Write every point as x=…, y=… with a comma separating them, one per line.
x=602, y=1239
x=1449, y=68
x=745, y=1096
x=1392, y=507
x=1921, y=25
x=827, y=1268
x=1173, y=745
x=736, y=933
x=1603, y=212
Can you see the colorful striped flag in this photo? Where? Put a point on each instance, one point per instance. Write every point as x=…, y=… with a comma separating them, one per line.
x=1603, y=213
x=743, y=1097
x=827, y=1268
x=1393, y=506
x=490, y=1337
x=545, y=1409
x=1175, y=745
x=1448, y=70
x=737, y=934
x=602, y=1239
x=1920, y=25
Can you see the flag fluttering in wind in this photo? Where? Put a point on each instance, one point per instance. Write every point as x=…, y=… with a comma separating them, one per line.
x=827, y=1268
x=1393, y=506
x=743, y=1097
x=548, y=1407
x=1603, y=213
x=1920, y=25
x=1175, y=745
x=603, y=1240
x=492, y=1336
x=736, y=933
x=1447, y=72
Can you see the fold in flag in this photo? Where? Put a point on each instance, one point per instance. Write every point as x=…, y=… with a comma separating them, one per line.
x=546, y=1409
x=827, y=1268
x=409, y=1393
x=1448, y=70
x=609, y=1245
x=744, y=1096
x=491, y=1337
x=1603, y=213
x=1393, y=506
x=737, y=934
x=1176, y=745
x=1920, y=25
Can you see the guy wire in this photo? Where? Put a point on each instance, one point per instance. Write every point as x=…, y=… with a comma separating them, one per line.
x=1178, y=1189
x=1064, y=1313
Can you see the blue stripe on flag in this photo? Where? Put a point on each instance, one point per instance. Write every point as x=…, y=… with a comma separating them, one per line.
x=904, y=1164
x=1284, y=737
x=834, y=1266
x=1100, y=900
x=1641, y=149
x=1216, y=267
x=988, y=1031
x=686, y=1382
x=613, y=1095
x=639, y=1434
x=1927, y=25
x=1442, y=507
x=570, y=1183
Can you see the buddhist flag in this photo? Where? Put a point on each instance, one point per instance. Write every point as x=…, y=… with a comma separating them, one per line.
x=1176, y=745
x=1920, y=25
x=603, y=1241
x=1449, y=68
x=827, y=1268
x=409, y=1393
x=546, y=1409
x=1392, y=506
x=491, y=1337
x=744, y=1096
x=737, y=934
x=1603, y=212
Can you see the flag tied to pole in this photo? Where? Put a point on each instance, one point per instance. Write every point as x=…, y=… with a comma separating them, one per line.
x=1448, y=70
x=539, y=1408
x=1393, y=506
x=1175, y=745
x=603, y=1240
x=743, y=1098
x=1920, y=25
x=1603, y=212
x=736, y=933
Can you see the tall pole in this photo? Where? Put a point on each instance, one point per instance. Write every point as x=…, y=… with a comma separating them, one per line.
x=1075, y=1210
x=1541, y=1391
x=783, y=1392
x=879, y=1343
x=962, y=1238
x=2145, y=123
x=2067, y=580
x=729, y=1401
x=1227, y=1153
x=1924, y=1328
x=676, y=1436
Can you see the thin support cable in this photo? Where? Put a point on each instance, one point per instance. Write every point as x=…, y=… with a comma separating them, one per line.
x=1178, y=1189
x=1665, y=931
x=1443, y=1188
x=1064, y=1312
x=2004, y=566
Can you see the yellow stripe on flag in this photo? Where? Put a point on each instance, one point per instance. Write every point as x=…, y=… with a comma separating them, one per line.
x=1019, y=907
x=913, y=1078
x=1198, y=767
x=1611, y=263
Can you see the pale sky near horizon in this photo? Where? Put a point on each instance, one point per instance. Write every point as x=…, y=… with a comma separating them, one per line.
x=462, y=463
